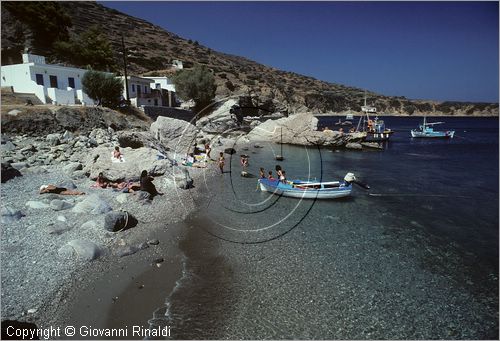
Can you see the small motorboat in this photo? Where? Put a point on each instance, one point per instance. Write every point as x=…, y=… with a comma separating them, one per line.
x=309, y=189
x=427, y=130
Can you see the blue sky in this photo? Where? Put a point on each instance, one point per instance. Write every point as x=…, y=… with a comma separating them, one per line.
x=421, y=50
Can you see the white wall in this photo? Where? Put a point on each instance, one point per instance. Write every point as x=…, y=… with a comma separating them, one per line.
x=59, y=96
x=41, y=92
x=82, y=96
x=19, y=77
x=165, y=83
x=22, y=77
x=62, y=74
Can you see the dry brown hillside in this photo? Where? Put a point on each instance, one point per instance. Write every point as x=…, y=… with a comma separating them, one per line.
x=155, y=48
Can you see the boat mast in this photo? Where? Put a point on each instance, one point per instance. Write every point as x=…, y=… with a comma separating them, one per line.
x=281, y=139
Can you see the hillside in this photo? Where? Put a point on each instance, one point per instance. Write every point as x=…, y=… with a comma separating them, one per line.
x=154, y=49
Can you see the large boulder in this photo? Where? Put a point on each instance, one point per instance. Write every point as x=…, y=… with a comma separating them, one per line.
x=300, y=129
x=116, y=221
x=9, y=172
x=177, y=135
x=266, y=130
x=136, y=160
x=221, y=120
x=181, y=178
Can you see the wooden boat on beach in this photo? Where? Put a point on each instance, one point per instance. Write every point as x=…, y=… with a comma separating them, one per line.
x=308, y=189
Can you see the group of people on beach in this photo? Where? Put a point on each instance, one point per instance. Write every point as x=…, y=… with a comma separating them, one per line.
x=279, y=171
x=145, y=184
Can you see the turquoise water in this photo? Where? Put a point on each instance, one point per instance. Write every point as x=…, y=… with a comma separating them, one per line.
x=416, y=256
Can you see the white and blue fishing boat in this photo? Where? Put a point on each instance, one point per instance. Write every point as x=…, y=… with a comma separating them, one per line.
x=309, y=189
x=427, y=130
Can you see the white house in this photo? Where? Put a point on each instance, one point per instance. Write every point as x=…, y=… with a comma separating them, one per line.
x=162, y=83
x=50, y=83
x=141, y=92
x=177, y=64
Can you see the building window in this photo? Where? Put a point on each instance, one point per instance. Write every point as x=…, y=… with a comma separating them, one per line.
x=156, y=102
x=158, y=85
x=71, y=82
x=133, y=87
x=39, y=79
x=145, y=89
x=53, y=81
x=138, y=89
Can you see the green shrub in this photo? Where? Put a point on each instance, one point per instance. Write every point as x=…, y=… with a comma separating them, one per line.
x=105, y=89
x=47, y=20
x=90, y=48
x=197, y=84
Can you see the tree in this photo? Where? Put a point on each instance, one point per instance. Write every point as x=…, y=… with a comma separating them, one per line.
x=105, y=89
x=197, y=84
x=90, y=48
x=47, y=21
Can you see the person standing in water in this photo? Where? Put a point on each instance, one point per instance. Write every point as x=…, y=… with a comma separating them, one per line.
x=207, y=150
x=262, y=173
x=221, y=162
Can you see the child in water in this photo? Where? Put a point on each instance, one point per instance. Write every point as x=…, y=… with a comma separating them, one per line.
x=221, y=162
x=262, y=174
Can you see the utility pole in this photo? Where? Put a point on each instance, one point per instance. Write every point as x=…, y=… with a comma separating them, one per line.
x=124, y=52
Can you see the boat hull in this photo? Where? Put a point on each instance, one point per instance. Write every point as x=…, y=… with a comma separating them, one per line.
x=296, y=189
x=377, y=137
x=433, y=134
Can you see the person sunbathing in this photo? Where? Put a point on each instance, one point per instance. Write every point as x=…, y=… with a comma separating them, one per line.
x=58, y=190
x=117, y=155
x=102, y=182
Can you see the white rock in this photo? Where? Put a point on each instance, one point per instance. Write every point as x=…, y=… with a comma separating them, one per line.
x=122, y=198
x=92, y=204
x=14, y=112
x=72, y=167
x=37, y=204
x=89, y=225
x=178, y=135
x=83, y=249
x=136, y=160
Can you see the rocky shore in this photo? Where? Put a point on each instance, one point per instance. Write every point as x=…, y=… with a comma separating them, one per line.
x=52, y=242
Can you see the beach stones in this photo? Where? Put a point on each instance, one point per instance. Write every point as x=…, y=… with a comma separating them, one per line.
x=126, y=251
x=37, y=204
x=89, y=225
x=353, y=145
x=83, y=249
x=53, y=139
x=92, y=204
x=10, y=215
x=58, y=205
x=72, y=167
x=230, y=151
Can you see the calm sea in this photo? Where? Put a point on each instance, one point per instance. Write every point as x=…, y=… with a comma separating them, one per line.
x=415, y=256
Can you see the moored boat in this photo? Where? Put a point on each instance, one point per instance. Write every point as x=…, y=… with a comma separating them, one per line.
x=427, y=130
x=375, y=129
x=308, y=189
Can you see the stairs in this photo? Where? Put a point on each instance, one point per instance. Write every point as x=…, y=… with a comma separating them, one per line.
x=17, y=98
